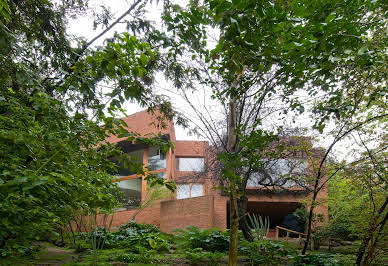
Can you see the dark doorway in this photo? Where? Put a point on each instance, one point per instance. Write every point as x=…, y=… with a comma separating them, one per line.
x=274, y=210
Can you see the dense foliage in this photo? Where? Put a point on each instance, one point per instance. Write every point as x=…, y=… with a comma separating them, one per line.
x=327, y=58
x=133, y=236
x=55, y=116
x=317, y=259
x=125, y=246
x=263, y=252
x=207, y=240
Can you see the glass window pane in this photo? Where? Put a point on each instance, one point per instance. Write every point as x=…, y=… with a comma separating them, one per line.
x=183, y=192
x=132, y=192
x=280, y=172
x=156, y=159
x=196, y=190
x=190, y=164
x=162, y=175
x=300, y=167
x=136, y=156
x=255, y=179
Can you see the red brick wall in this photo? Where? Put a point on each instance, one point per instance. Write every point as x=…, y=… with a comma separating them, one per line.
x=185, y=212
x=146, y=123
x=185, y=148
x=204, y=212
x=149, y=215
x=220, y=211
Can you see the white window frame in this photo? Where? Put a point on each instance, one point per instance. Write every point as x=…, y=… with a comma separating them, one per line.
x=195, y=170
x=277, y=169
x=190, y=190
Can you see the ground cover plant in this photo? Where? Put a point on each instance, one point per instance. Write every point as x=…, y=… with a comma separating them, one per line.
x=133, y=237
x=263, y=252
x=207, y=240
x=138, y=244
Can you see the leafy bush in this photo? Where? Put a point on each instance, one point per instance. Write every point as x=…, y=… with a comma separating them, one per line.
x=145, y=228
x=13, y=248
x=315, y=259
x=263, y=252
x=197, y=255
x=142, y=257
x=340, y=229
x=133, y=236
x=208, y=240
x=45, y=151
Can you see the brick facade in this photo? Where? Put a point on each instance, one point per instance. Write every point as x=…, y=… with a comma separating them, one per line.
x=209, y=210
x=182, y=213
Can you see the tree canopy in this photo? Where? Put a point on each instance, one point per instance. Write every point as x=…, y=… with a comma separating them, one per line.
x=59, y=100
x=330, y=53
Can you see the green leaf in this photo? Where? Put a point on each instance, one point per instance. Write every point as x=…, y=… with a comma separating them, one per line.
x=143, y=59
x=233, y=20
x=34, y=184
x=330, y=18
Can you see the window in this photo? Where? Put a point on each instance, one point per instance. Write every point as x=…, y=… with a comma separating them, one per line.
x=282, y=172
x=156, y=159
x=161, y=174
x=136, y=157
x=185, y=191
x=131, y=190
x=196, y=191
x=190, y=164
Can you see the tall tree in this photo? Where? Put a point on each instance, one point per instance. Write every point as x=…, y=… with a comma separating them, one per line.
x=316, y=48
x=53, y=159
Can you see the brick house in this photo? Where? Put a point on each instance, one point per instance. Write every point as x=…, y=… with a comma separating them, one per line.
x=195, y=202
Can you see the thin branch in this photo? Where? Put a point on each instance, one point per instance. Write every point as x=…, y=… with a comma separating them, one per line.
x=87, y=45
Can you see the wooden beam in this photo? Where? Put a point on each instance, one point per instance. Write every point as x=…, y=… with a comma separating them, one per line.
x=143, y=181
x=168, y=164
x=291, y=231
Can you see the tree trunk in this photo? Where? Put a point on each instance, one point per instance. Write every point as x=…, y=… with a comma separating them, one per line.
x=233, y=241
x=234, y=189
x=369, y=234
x=243, y=221
x=372, y=247
x=233, y=206
x=309, y=223
x=365, y=241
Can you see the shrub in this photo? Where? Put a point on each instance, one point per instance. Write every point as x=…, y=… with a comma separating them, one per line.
x=263, y=252
x=15, y=248
x=208, y=240
x=143, y=257
x=340, y=229
x=141, y=228
x=315, y=259
x=133, y=236
x=198, y=256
